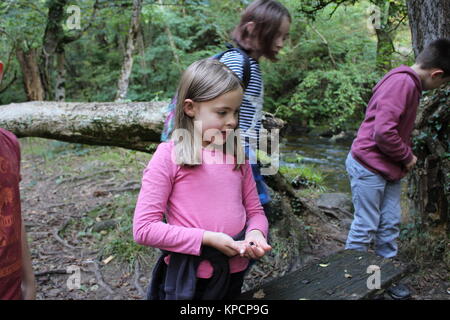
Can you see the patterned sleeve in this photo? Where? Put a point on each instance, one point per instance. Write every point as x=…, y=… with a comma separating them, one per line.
x=235, y=61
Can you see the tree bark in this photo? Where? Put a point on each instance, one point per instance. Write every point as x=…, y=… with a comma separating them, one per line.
x=429, y=182
x=429, y=20
x=52, y=42
x=32, y=82
x=127, y=65
x=60, y=84
x=129, y=125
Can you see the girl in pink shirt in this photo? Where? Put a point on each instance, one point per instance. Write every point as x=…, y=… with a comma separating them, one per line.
x=202, y=184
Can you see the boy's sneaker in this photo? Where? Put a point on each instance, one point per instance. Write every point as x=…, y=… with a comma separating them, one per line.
x=399, y=292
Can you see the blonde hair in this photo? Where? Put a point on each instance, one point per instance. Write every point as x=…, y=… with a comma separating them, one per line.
x=204, y=80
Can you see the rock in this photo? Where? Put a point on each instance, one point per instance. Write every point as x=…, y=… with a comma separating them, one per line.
x=53, y=293
x=346, y=223
x=343, y=136
x=269, y=121
x=300, y=182
x=328, y=133
x=274, y=209
x=335, y=200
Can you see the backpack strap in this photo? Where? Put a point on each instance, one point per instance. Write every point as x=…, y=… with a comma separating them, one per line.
x=246, y=65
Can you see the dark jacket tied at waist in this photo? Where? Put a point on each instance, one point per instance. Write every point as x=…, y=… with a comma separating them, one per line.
x=177, y=281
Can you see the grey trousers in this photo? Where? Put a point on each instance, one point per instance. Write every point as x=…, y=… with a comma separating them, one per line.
x=377, y=210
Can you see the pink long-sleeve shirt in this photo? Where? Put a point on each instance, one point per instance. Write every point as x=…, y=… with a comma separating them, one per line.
x=207, y=197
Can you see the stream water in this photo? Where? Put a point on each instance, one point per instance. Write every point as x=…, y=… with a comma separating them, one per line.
x=321, y=153
x=329, y=158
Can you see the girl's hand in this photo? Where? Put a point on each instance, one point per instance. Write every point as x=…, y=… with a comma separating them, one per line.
x=223, y=242
x=257, y=245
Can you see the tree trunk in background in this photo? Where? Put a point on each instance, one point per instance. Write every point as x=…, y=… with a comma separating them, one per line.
x=127, y=65
x=429, y=20
x=53, y=45
x=54, y=42
x=391, y=16
x=60, y=83
x=429, y=182
x=142, y=62
x=28, y=61
x=385, y=49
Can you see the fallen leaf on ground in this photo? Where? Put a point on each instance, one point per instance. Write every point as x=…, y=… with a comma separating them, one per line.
x=108, y=260
x=324, y=265
x=259, y=294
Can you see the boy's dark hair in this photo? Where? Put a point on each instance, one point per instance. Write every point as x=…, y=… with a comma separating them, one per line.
x=436, y=55
x=267, y=16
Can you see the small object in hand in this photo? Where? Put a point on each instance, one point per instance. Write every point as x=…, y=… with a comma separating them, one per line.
x=252, y=243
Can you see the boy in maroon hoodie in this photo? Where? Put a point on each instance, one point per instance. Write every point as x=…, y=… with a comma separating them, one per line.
x=381, y=154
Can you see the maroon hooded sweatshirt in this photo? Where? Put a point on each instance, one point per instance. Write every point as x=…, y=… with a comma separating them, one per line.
x=383, y=142
x=10, y=218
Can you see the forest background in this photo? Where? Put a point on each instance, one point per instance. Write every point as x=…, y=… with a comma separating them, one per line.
x=324, y=75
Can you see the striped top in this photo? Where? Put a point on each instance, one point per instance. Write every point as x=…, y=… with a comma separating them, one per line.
x=251, y=109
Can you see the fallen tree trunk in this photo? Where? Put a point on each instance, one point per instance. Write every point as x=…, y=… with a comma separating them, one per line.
x=134, y=125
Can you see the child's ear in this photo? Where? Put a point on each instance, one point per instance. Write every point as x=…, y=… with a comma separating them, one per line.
x=250, y=27
x=188, y=107
x=437, y=73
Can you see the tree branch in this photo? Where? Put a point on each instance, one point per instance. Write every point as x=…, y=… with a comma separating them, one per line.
x=324, y=40
x=320, y=5
x=399, y=23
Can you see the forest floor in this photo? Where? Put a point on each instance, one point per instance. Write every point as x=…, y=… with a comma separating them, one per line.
x=78, y=203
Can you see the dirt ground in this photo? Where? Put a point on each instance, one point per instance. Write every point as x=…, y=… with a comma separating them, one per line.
x=77, y=205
